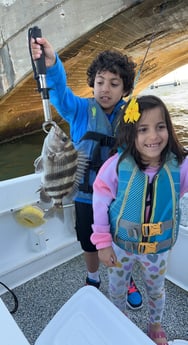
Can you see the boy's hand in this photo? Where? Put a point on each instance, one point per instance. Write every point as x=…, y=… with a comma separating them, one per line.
x=107, y=256
x=36, y=50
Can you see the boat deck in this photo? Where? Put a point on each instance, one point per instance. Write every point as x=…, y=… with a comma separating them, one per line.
x=40, y=298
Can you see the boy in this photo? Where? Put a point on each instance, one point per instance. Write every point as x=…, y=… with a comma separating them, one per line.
x=92, y=124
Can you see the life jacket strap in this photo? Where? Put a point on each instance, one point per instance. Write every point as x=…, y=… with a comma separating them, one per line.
x=146, y=229
x=103, y=139
x=152, y=229
x=144, y=247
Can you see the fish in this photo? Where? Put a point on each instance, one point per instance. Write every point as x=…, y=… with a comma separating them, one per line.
x=62, y=168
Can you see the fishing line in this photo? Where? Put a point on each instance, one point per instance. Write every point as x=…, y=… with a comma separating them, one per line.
x=138, y=73
x=143, y=61
x=162, y=8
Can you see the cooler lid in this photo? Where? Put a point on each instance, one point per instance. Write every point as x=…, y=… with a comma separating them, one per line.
x=89, y=318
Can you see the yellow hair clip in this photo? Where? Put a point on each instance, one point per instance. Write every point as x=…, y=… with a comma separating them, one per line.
x=132, y=113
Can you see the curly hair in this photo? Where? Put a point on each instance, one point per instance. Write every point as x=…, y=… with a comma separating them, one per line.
x=127, y=133
x=116, y=63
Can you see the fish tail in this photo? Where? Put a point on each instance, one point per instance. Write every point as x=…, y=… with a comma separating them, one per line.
x=55, y=212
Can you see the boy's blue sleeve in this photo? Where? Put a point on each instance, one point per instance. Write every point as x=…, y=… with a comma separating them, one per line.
x=71, y=108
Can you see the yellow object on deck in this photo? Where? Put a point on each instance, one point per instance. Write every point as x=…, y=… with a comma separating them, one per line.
x=30, y=216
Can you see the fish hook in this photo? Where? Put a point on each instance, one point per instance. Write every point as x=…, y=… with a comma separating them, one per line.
x=46, y=126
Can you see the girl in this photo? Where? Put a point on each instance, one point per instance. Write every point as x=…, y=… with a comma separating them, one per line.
x=136, y=204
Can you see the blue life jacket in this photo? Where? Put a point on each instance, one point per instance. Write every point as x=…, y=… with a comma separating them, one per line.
x=96, y=144
x=127, y=211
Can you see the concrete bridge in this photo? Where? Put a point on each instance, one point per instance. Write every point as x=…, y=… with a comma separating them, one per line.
x=78, y=30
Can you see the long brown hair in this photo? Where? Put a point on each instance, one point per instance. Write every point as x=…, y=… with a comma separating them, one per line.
x=127, y=132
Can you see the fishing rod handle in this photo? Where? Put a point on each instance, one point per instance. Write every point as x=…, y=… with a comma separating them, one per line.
x=40, y=63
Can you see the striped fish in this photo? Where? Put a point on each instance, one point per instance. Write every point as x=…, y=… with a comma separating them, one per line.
x=62, y=167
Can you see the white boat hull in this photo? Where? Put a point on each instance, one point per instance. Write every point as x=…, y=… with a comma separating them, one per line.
x=27, y=252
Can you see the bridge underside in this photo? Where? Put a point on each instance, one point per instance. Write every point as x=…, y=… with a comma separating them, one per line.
x=161, y=26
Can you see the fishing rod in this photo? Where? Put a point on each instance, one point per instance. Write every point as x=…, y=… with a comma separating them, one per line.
x=39, y=69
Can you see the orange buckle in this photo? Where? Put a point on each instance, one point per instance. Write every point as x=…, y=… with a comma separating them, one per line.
x=151, y=229
x=147, y=248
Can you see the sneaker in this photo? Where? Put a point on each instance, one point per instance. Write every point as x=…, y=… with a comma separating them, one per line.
x=134, y=297
x=93, y=283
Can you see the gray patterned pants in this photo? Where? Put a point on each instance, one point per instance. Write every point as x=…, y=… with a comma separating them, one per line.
x=153, y=268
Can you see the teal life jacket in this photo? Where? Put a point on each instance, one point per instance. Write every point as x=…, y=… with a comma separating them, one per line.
x=127, y=212
x=96, y=144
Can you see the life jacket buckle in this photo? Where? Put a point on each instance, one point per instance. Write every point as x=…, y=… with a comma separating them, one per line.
x=147, y=248
x=151, y=229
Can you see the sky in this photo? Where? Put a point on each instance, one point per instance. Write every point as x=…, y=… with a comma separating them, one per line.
x=180, y=74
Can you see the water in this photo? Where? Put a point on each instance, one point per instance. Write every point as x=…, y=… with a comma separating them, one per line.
x=17, y=157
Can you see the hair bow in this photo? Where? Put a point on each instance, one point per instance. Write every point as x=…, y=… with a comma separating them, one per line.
x=132, y=113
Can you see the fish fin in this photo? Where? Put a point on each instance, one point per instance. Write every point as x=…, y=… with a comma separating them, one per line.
x=82, y=164
x=60, y=213
x=44, y=196
x=38, y=164
x=54, y=212
x=50, y=213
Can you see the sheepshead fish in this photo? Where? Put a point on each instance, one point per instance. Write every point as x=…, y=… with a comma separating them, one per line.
x=62, y=167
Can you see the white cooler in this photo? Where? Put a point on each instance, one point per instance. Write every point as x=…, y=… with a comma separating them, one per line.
x=89, y=318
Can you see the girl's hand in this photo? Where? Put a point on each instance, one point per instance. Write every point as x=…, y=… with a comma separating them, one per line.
x=36, y=50
x=107, y=256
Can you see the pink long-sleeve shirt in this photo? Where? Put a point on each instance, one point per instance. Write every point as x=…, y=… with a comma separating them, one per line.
x=105, y=190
